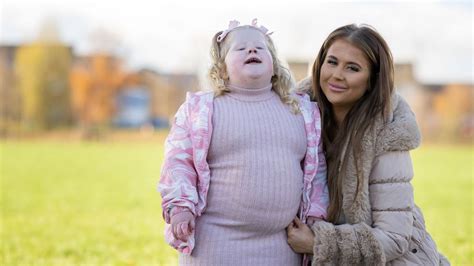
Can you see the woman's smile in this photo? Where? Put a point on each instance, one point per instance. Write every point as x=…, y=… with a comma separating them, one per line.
x=336, y=88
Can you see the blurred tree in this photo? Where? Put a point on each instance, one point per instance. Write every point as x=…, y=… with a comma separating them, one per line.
x=455, y=110
x=41, y=70
x=9, y=96
x=94, y=82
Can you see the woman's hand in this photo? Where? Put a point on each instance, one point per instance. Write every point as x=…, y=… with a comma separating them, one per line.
x=300, y=237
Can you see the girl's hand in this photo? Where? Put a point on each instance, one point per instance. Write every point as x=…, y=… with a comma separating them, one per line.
x=300, y=237
x=182, y=225
x=311, y=220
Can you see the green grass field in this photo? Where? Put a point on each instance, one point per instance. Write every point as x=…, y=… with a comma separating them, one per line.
x=97, y=204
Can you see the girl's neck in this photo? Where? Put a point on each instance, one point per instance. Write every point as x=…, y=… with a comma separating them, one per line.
x=246, y=94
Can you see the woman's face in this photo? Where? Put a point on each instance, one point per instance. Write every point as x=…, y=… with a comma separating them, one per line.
x=345, y=74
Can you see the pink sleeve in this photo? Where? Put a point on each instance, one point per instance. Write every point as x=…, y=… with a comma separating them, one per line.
x=319, y=196
x=178, y=179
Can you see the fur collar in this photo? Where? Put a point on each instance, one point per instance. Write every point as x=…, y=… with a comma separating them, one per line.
x=402, y=132
x=399, y=134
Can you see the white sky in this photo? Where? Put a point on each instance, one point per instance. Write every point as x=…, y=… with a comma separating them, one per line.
x=175, y=35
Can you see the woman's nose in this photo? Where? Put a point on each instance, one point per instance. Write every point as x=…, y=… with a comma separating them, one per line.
x=338, y=73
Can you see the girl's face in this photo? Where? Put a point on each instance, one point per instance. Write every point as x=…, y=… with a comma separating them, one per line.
x=344, y=74
x=248, y=61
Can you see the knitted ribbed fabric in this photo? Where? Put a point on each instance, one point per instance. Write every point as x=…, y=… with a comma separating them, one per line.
x=255, y=158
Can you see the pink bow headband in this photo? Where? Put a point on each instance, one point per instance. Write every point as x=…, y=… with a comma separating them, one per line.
x=233, y=24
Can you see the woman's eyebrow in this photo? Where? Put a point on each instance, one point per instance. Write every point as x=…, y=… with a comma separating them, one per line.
x=350, y=62
x=354, y=63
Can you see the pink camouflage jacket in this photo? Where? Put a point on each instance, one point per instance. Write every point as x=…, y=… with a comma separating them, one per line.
x=185, y=174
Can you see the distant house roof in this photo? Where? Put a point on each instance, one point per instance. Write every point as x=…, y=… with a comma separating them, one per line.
x=184, y=81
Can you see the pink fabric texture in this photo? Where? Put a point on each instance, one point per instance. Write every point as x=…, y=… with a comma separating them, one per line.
x=255, y=157
x=185, y=174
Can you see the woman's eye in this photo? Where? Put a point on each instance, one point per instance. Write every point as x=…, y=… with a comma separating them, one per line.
x=353, y=68
x=332, y=62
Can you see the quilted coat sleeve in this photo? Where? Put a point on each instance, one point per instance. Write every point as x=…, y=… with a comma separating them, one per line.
x=391, y=198
x=178, y=179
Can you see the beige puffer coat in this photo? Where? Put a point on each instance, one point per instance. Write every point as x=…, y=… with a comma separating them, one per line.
x=382, y=225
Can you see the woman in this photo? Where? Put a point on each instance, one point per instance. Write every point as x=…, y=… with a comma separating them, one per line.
x=368, y=131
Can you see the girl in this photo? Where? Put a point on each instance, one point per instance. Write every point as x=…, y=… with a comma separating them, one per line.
x=242, y=160
x=368, y=131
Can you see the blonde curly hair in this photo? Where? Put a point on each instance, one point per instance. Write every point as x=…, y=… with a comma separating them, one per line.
x=282, y=80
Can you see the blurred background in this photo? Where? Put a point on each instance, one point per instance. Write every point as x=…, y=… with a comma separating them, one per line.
x=88, y=90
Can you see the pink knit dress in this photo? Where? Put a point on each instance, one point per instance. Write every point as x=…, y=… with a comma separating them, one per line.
x=255, y=158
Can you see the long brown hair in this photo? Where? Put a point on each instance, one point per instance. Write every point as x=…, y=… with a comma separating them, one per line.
x=375, y=102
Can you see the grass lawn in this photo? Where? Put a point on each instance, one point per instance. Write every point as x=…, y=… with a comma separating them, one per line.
x=444, y=190
x=97, y=204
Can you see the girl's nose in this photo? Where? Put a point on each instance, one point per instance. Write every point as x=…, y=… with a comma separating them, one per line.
x=252, y=50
